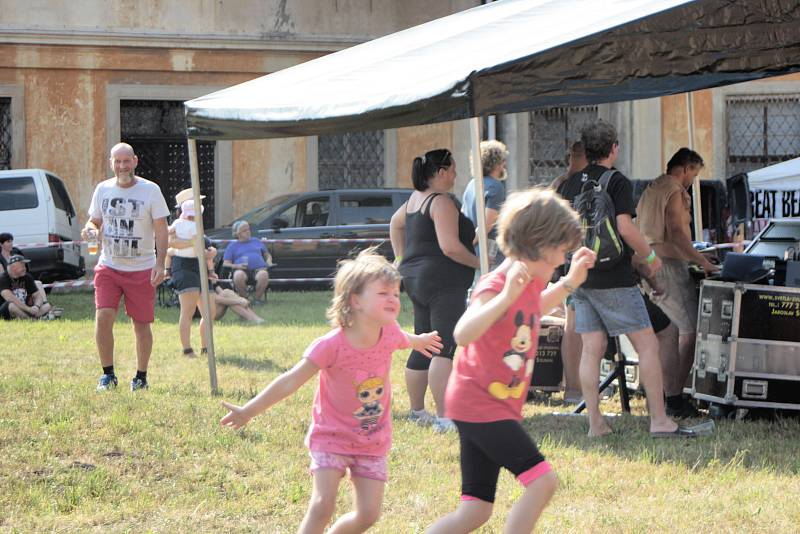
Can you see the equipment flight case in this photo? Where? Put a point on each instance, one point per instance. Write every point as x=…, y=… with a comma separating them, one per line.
x=548, y=369
x=747, y=353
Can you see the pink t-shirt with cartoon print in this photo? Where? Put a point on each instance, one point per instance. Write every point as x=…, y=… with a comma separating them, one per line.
x=352, y=405
x=491, y=376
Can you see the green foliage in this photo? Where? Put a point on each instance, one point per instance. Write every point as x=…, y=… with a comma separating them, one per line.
x=76, y=460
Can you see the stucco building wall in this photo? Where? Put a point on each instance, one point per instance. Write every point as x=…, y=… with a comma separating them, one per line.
x=66, y=67
x=710, y=122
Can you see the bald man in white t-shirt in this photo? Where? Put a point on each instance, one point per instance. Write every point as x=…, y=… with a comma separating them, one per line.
x=132, y=214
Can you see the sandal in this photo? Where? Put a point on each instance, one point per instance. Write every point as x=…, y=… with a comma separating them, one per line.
x=189, y=353
x=701, y=429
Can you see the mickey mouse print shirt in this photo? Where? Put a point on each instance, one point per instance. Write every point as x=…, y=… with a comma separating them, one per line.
x=491, y=376
x=351, y=411
x=127, y=214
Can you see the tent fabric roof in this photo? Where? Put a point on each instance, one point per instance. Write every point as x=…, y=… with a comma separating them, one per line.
x=511, y=56
x=783, y=176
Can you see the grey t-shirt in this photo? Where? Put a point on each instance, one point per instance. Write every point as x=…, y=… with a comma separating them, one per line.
x=494, y=194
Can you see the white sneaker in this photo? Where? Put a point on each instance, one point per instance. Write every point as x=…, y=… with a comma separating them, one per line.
x=442, y=425
x=421, y=417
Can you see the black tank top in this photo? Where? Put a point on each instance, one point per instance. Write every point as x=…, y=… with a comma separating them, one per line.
x=424, y=258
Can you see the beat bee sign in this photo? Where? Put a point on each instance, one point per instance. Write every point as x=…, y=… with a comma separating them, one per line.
x=770, y=204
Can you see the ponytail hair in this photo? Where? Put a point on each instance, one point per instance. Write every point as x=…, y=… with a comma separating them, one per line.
x=426, y=167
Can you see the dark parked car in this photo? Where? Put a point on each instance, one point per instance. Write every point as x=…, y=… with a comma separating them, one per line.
x=316, y=216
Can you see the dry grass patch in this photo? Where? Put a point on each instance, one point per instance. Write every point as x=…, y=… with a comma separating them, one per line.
x=75, y=460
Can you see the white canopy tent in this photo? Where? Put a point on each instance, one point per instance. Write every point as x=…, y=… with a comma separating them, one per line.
x=783, y=176
x=505, y=57
x=775, y=191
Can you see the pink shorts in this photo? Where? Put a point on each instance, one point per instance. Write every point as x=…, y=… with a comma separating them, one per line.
x=140, y=296
x=374, y=467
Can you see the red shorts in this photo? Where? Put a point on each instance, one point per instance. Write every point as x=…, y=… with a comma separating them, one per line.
x=140, y=296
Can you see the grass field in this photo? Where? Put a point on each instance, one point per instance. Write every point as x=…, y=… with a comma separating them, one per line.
x=157, y=461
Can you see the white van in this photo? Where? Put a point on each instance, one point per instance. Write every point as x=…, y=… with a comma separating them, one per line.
x=36, y=209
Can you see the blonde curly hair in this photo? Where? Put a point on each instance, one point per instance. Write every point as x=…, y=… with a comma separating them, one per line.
x=352, y=276
x=493, y=153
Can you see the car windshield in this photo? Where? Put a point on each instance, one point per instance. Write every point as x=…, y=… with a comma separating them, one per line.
x=257, y=215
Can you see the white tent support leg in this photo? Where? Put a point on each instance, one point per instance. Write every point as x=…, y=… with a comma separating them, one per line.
x=199, y=247
x=697, y=204
x=477, y=175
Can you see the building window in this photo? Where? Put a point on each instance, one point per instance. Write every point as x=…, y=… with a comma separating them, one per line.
x=156, y=129
x=552, y=131
x=351, y=160
x=5, y=133
x=762, y=130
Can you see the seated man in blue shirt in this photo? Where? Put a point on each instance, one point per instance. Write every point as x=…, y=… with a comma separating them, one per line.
x=248, y=258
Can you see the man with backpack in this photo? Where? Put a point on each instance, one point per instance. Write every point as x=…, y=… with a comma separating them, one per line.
x=609, y=302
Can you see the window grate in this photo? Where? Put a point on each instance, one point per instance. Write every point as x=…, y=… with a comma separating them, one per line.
x=351, y=160
x=152, y=118
x=5, y=133
x=761, y=130
x=552, y=131
x=167, y=164
x=157, y=132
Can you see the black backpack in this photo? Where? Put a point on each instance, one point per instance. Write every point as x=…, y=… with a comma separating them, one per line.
x=599, y=221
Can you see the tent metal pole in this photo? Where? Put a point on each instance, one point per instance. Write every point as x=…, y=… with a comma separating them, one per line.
x=200, y=249
x=697, y=204
x=477, y=176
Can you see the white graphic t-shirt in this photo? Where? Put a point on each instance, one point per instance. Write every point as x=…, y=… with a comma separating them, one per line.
x=128, y=214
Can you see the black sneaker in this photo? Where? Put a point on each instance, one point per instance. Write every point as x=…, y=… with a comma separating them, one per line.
x=138, y=383
x=107, y=382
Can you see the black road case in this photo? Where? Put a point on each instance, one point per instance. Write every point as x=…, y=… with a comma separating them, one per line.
x=747, y=352
x=548, y=369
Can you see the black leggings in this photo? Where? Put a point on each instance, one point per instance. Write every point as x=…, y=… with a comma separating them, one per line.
x=434, y=309
x=486, y=447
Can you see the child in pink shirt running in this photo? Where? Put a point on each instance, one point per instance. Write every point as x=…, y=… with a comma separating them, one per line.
x=351, y=424
x=490, y=379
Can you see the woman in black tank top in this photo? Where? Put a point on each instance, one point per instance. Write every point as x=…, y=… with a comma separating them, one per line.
x=432, y=239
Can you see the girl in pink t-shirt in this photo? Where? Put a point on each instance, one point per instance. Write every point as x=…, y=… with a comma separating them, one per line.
x=351, y=424
x=491, y=377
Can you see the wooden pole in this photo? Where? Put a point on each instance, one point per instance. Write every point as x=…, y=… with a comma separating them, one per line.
x=200, y=249
x=697, y=204
x=477, y=176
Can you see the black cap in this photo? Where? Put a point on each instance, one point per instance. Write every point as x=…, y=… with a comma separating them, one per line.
x=16, y=258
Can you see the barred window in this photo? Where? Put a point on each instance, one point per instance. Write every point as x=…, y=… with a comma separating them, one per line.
x=762, y=130
x=157, y=131
x=351, y=160
x=5, y=133
x=552, y=131
x=152, y=118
